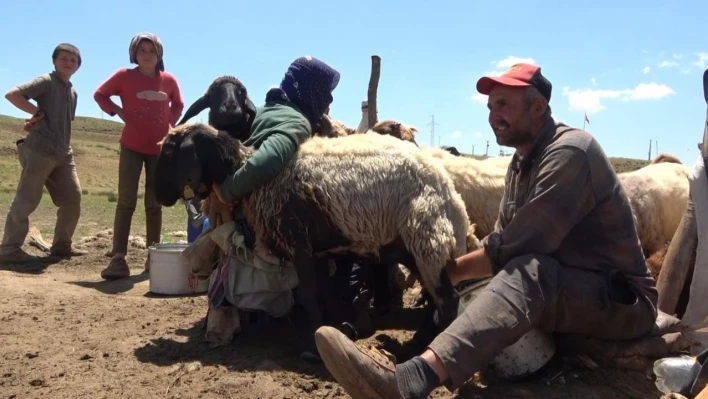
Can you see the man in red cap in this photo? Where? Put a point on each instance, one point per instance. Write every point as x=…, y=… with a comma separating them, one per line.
x=564, y=254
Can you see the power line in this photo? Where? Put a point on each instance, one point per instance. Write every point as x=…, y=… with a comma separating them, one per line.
x=432, y=125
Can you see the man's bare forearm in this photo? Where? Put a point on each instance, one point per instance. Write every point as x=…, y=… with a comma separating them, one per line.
x=475, y=264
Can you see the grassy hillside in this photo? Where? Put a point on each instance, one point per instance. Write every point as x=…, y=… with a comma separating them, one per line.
x=95, y=143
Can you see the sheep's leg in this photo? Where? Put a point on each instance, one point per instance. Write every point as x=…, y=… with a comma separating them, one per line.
x=381, y=287
x=395, y=300
x=430, y=265
x=338, y=293
x=307, y=294
x=441, y=311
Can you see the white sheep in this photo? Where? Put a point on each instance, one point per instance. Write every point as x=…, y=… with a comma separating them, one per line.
x=366, y=194
x=479, y=182
x=658, y=194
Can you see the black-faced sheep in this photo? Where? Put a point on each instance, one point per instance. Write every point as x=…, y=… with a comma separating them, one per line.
x=366, y=194
x=230, y=108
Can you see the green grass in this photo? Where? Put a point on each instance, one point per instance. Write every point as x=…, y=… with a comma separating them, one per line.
x=96, y=147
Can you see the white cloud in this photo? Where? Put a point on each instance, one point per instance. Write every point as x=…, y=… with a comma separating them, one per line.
x=647, y=91
x=668, y=64
x=646, y=70
x=702, y=61
x=509, y=61
x=502, y=65
x=479, y=134
x=590, y=101
x=677, y=56
x=456, y=134
x=593, y=81
x=480, y=98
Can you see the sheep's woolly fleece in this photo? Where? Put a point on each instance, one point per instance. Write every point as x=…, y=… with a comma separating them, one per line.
x=374, y=188
x=480, y=183
x=658, y=194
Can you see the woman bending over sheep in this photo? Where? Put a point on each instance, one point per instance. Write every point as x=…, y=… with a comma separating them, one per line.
x=282, y=125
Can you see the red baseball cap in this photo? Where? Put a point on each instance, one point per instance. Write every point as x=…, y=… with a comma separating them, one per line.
x=518, y=75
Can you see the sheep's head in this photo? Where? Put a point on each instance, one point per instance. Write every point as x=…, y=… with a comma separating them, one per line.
x=230, y=108
x=396, y=129
x=192, y=158
x=328, y=127
x=451, y=150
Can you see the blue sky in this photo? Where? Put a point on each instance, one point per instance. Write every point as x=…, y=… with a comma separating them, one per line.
x=635, y=67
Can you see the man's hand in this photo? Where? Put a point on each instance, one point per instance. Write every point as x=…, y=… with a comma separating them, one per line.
x=472, y=265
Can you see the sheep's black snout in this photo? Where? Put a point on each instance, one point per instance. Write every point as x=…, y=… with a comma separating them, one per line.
x=231, y=107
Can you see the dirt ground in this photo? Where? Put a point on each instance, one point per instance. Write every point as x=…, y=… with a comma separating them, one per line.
x=66, y=333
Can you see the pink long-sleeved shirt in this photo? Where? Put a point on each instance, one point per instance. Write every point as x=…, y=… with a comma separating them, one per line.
x=150, y=106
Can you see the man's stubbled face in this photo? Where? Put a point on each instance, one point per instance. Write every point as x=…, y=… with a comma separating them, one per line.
x=510, y=116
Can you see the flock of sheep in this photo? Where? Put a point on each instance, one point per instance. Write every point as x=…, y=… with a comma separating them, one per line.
x=375, y=198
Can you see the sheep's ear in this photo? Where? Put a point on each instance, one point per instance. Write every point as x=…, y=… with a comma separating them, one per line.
x=198, y=106
x=169, y=144
x=189, y=168
x=414, y=130
x=250, y=110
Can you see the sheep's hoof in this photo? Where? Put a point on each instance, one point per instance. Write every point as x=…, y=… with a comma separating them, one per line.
x=310, y=357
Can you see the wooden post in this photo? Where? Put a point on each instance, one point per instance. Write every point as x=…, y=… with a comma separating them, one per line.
x=678, y=262
x=373, y=89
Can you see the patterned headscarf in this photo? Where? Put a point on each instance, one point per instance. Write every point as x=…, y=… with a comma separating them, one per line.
x=309, y=84
x=133, y=49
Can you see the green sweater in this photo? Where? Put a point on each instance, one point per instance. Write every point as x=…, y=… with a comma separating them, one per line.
x=277, y=132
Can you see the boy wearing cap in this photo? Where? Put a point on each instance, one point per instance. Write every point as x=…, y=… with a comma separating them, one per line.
x=46, y=158
x=565, y=255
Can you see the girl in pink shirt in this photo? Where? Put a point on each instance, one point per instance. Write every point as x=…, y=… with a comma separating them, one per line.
x=151, y=104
